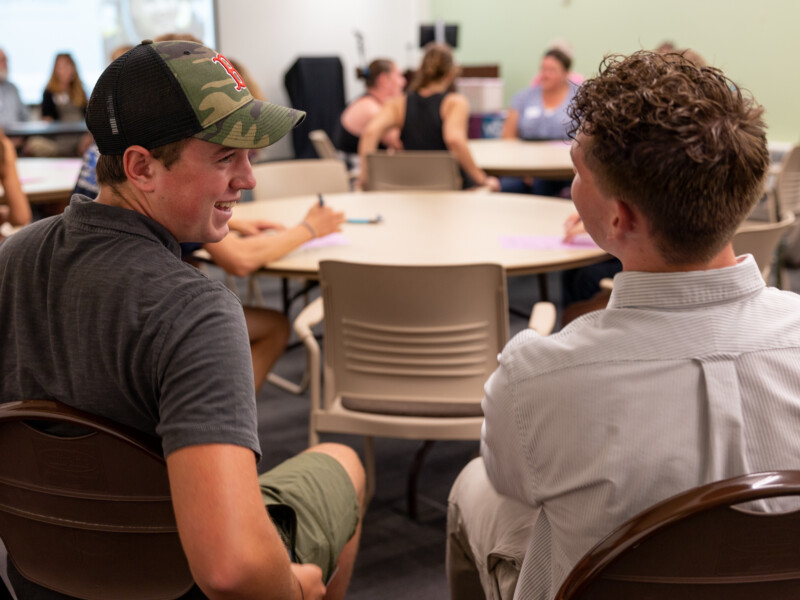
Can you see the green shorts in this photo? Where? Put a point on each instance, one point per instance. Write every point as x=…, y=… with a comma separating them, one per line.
x=319, y=490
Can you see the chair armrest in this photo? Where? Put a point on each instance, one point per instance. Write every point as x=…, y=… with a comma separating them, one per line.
x=311, y=315
x=607, y=283
x=543, y=318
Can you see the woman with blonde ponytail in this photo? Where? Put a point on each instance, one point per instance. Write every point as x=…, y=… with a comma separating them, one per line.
x=430, y=117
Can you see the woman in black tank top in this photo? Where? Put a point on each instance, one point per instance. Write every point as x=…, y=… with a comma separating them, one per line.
x=430, y=117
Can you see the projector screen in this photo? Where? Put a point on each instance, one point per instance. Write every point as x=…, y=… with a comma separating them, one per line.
x=32, y=32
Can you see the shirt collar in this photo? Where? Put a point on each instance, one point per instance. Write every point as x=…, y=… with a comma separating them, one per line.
x=84, y=211
x=637, y=289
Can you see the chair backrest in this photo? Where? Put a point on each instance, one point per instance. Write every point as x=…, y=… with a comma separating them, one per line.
x=405, y=340
x=761, y=240
x=90, y=515
x=699, y=545
x=413, y=170
x=323, y=144
x=283, y=178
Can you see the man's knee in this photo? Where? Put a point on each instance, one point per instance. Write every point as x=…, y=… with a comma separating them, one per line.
x=487, y=535
x=348, y=458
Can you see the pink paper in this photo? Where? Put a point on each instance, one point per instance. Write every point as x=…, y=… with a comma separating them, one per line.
x=332, y=239
x=545, y=242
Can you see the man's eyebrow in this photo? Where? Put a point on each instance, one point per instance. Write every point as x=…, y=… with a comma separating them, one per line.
x=224, y=150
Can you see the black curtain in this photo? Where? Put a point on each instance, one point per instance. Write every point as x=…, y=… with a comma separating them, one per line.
x=315, y=85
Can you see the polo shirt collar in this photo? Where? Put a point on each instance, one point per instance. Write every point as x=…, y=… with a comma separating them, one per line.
x=83, y=211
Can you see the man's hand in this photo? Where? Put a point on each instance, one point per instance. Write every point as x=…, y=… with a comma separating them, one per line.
x=324, y=220
x=493, y=183
x=573, y=227
x=310, y=579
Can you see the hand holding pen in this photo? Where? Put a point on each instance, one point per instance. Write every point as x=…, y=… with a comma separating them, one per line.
x=322, y=220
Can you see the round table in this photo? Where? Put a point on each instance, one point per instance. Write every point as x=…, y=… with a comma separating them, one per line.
x=46, y=180
x=520, y=232
x=518, y=158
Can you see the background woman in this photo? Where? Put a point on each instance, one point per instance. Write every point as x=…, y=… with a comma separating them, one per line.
x=64, y=99
x=384, y=81
x=540, y=113
x=430, y=117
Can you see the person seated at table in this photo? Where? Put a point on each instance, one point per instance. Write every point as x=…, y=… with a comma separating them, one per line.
x=384, y=81
x=566, y=48
x=12, y=108
x=431, y=116
x=16, y=210
x=156, y=346
x=540, y=113
x=580, y=288
x=691, y=375
x=63, y=100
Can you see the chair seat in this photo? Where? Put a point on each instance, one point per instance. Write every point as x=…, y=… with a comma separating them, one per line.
x=414, y=407
x=339, y=419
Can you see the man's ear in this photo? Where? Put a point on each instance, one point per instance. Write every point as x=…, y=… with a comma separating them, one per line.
x=138, y=164
x=625, y=220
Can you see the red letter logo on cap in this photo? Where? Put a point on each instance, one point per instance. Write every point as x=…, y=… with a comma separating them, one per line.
x=226, y=64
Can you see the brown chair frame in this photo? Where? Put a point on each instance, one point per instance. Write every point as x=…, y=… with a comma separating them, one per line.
x=88, y=515
x=699, y=544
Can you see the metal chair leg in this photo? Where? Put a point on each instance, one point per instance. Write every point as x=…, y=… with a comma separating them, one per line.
x=413, y=477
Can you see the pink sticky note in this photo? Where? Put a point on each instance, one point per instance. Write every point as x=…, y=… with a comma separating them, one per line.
x=545, y=242
x=332, y=239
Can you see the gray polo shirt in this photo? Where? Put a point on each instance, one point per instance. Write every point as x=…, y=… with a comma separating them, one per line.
x=98, y=311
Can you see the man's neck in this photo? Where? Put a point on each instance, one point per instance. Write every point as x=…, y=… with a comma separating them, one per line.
x=653, y=262
x=123, y=196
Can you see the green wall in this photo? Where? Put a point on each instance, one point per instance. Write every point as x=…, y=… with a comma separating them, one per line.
x=756, y=43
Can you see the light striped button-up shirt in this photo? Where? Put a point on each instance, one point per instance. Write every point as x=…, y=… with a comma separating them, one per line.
x=685, y=378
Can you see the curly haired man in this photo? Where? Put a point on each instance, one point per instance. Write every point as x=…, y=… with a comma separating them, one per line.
x=692, y=373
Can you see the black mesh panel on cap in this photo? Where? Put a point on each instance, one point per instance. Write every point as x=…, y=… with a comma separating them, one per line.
x=138, y=101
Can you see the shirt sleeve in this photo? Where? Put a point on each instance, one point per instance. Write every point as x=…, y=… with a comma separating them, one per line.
x=206, y=374
x=503, y=447
x=518, y=101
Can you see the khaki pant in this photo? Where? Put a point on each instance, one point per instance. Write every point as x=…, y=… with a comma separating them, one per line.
x=487, y=535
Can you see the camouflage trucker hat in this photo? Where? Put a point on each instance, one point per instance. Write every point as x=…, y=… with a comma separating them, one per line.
x=162, y=92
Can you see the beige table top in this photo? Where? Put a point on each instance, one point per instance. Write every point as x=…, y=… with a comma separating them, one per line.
x=518, y=158
x=432, y=228
x=48, y=179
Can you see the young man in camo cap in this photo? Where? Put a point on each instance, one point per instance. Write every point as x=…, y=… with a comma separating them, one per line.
x=128, y=331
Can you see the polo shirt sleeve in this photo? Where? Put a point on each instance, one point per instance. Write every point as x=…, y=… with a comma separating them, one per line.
x=205, y=372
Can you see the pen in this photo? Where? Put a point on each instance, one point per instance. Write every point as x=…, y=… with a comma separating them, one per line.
x=321, y=201
x=376, y=219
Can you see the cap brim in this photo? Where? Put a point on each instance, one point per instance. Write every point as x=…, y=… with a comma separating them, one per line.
x=257, y=124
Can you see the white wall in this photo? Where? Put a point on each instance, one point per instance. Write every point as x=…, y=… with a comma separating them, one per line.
x=267, y=36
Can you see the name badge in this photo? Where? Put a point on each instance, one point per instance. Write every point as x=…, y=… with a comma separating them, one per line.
x=533, y=112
